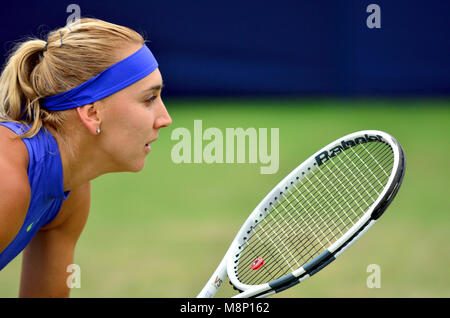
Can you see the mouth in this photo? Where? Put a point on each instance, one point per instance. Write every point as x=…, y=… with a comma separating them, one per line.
x=151, y=141
x=147, y=145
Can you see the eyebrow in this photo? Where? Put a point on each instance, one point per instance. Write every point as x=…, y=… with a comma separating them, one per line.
x=156, y=87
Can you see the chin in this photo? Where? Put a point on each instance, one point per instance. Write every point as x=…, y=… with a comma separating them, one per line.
x=130, y=163
x=139, y=165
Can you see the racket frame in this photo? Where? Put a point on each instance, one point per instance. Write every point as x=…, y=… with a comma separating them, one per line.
x=227, y=266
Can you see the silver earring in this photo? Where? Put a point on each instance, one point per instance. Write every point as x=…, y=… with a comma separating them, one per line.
x=97, y=130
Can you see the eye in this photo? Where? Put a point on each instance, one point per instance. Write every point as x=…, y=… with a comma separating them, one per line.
x=151, y=99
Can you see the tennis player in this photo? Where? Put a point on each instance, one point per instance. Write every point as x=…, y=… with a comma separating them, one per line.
x=83, y=103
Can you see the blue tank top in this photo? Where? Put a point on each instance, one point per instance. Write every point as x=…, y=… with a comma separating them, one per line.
x=45, y=175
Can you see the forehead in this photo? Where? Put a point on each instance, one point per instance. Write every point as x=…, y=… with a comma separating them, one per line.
x=153, y=79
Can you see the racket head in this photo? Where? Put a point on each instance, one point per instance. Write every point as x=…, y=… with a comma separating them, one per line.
x=281, y=257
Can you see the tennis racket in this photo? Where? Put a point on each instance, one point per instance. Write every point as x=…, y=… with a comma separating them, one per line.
x=313, y=215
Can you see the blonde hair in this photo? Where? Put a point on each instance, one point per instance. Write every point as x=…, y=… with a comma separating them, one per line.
x=71, y=55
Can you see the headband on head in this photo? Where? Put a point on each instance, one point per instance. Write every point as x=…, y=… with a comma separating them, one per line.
x=111, y=80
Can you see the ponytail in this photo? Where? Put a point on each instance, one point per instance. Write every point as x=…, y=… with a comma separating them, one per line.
x=19, y=101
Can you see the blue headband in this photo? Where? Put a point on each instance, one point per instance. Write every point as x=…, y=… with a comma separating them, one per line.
x=113, y=79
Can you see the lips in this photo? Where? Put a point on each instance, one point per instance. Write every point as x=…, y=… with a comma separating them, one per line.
x=148, y=143
x=147, y=148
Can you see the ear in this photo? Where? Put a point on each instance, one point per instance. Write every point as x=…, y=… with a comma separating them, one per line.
x=90, y=116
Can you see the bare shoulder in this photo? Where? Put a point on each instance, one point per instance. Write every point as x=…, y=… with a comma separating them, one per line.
x=15, y=192
x=74, y=210
x=12, y=149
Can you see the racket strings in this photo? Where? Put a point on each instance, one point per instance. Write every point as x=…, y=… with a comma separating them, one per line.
x=306, y=199
x=316, y=212
x=310, y=240
x=283, y=205
x=308, y=244
x=294, y=231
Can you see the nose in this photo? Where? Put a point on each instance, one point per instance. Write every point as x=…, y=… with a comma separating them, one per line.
x=164, y=119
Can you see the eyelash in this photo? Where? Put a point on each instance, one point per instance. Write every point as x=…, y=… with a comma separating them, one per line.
x=151, y=99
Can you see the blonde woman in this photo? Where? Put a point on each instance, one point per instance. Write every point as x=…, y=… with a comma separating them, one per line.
x=83, y=103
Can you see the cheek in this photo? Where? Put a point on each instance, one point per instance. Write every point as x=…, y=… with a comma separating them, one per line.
x=129, y=130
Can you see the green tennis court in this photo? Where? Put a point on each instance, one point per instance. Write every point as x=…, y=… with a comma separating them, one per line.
x=163, y=231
